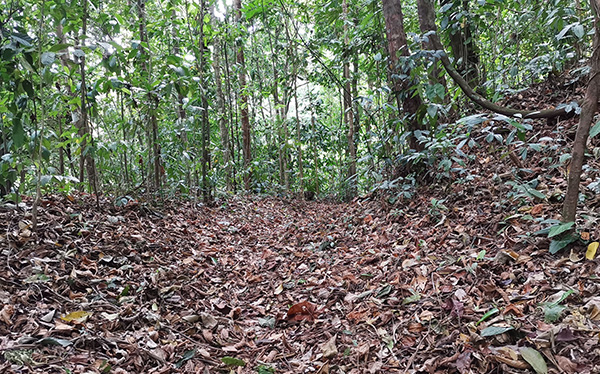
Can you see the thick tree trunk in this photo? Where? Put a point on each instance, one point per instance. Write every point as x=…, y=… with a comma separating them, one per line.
x=407, y=99
x=244, y=104
x=588, y=110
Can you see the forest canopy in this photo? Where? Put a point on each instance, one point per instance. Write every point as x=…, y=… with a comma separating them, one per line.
x=331, y=98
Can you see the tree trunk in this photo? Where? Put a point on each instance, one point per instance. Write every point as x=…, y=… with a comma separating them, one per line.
x=230, y=112
x=427, y=18
x=222, y=117
x=299, y=137
x=434, y=75
x=87, y=160
x=243, y=103
x=205, y=125
x=348, y=113
x=154, y=172
x=588, y=110
x=463, y=46
x=406, y=97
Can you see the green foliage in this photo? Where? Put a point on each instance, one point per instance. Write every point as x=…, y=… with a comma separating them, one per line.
x=132, y=78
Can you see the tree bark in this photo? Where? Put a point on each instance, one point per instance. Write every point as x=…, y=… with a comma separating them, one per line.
x=348, y=112
x=222, y=117
x=588, y=110
x=406, y=97
x=243, y=103
x=87, y=160
x=154, y=172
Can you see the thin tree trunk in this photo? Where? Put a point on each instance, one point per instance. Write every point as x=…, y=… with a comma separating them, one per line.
x=434, y=75
x=232, y=138
x=206, y=189
x=222, y=117
x=87, y=161
x=348, y=113
x=154, y=173
x=243, y=103
x=299, y=138
x=588, y=110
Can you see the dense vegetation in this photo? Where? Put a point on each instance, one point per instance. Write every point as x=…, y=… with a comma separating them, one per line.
x=203, y=98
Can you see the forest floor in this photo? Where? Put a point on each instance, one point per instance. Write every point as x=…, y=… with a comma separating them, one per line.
x=449, y=280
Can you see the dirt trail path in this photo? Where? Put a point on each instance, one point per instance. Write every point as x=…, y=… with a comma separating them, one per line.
x=281, y=286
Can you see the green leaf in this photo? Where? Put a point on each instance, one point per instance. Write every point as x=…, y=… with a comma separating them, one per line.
x=535, y=359
x=18, y=133
x=559, y=229
x=45, y=180
x=232, y=361
x=595, y=130
x=59, y=47
x=23, y=39
x=412, y=299
x=188, y=355
x=487, y=315
x=552, y=312
x=557, y=245
x=48, y=58
x=432, y=110
x=54, y=341
x=263, y=369
x=578, y=30
x=495, y=330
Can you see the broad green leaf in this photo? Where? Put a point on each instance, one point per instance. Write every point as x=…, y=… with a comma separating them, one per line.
x=18, y=133
x=595, y=130
x=432, y=110
x=552, y=312
x=578, y=30
x=590, y=254
x=232, y=361
x=535, y=359
x=557, y=245
x=559, y=229
x=59, y=47
x=495, y=330
x=48, y=58
x=45, y=180
x=23, y=39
